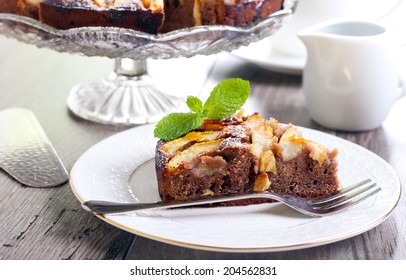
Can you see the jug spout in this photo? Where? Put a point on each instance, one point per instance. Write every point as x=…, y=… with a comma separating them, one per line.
x=312, y=40
x=309, y=37
x=315, y=32
x=314, y=36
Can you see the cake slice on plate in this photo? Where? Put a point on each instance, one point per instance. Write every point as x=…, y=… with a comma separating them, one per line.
x=244, y=154
x=240, y=154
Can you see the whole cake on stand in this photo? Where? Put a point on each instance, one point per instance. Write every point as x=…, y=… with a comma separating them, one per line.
x=128, y=96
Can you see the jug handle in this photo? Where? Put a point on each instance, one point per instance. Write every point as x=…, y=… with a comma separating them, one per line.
x=402, y=77
x=401, y=89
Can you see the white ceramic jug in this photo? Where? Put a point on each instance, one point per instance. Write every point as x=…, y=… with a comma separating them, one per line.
x=351, y=78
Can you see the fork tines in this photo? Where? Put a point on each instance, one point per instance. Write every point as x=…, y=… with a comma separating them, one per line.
x=346, y=196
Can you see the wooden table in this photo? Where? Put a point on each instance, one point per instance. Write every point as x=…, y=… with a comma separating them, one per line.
x=50, y=224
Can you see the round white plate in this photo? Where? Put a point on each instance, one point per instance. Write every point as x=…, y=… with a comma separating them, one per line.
x=121, y=168
x=262, y=54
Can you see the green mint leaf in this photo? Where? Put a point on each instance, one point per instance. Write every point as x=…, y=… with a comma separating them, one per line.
x=226, y=98
x=194, y=104
x=175, y=125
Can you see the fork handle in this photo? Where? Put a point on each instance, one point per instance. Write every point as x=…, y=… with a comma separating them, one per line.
x=108, y=207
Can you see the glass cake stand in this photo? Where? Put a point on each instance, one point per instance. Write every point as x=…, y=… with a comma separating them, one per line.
x=129, y=96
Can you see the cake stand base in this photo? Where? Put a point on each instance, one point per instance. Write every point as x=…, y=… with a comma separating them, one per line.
x=127, y=97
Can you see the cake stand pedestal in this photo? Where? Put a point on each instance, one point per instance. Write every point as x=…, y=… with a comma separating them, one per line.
x=127, y=96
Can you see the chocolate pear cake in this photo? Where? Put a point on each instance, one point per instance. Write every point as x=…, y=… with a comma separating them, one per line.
x=244, y=154
x=150, y=16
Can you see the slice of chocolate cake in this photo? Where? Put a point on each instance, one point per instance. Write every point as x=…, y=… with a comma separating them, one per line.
x=244, y=154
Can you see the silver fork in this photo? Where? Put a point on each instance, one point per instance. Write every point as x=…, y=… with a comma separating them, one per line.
x=315, y=207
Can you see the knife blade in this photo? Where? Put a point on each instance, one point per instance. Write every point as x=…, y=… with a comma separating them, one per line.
x=26, y=153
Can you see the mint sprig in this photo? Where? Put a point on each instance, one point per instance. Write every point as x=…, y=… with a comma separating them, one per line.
x=224, y=100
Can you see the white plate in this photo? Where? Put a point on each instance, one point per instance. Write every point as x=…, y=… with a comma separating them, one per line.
x=120, y=168
x=262, y=54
